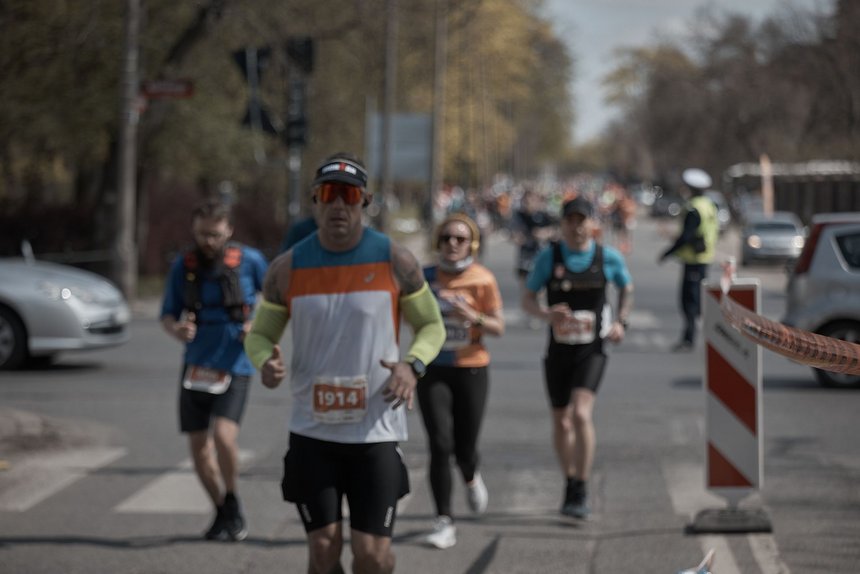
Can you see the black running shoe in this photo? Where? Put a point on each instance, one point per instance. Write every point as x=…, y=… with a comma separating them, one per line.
x=234, y=522
x=578, y=510
x=218, y=530
x=574, y=501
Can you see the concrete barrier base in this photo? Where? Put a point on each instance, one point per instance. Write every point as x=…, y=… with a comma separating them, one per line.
x=728, y=520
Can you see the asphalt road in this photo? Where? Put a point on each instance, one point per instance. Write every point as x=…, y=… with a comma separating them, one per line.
x=97, y=476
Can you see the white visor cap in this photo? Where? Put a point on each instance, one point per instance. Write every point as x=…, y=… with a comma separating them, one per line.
x=697, y=178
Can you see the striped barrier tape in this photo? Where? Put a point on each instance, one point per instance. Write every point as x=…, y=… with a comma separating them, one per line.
x=804, y=347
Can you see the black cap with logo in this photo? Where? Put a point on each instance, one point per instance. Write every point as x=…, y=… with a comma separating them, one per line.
x=343, y=170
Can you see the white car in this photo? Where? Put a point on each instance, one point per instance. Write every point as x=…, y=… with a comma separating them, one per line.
x=824, y=288
x=47, y=308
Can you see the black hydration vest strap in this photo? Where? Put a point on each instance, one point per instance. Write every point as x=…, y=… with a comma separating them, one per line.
x=226, y=271
x=585, y=290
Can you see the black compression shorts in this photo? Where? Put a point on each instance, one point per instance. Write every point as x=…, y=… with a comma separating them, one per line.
x=317, y=474
x=565, y=372
x=197, y=408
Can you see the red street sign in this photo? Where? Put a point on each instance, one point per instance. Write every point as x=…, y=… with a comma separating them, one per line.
x=166, y=89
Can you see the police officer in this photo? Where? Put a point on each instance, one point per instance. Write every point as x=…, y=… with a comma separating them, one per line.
x=695, y=246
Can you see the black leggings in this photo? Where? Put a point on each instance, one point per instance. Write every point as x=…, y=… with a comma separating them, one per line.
x=452, y=401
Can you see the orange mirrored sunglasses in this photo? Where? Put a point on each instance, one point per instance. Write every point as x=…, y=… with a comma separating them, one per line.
x=329, y=192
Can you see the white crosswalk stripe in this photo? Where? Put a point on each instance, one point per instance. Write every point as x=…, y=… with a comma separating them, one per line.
x=531, y=493
x=33, y=480
x=647, y=340
x=175, y=491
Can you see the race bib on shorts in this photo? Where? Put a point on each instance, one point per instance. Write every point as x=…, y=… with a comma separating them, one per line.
x=206, y=380
x=576, y=330
x=340, y=399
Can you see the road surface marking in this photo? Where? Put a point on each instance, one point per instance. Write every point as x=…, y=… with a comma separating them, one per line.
x=644, y=319
x=534, y=489
x=687, y=430
x=646, y=340
x=686, y=485
x=724, y=560
x=175, y=491
x=33, y=480
x=766, y=554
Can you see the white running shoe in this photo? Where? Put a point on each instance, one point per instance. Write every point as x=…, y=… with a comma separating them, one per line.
x=444, y=533
x=476, y=494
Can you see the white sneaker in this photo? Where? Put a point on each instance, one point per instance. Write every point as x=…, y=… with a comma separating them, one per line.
x=444, y=533
x=476, y=494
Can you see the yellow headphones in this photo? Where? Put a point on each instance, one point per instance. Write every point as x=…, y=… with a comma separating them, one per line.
x=461, y=218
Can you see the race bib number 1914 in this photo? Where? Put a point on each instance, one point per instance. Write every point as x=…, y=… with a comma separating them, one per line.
x=340, y=399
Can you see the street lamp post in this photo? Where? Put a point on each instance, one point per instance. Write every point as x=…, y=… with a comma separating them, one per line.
x=125, y=250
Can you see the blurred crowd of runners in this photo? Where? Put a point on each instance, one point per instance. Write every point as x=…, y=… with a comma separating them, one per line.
x=528, y=212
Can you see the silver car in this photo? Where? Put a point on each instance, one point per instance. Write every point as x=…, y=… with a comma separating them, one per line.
x=47, y=308
x=824, y=288
x=775, y=238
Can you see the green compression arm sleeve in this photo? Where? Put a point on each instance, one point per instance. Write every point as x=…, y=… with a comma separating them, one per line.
x=421, y=310
x=266, y=330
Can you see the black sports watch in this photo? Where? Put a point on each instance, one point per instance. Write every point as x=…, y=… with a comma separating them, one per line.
x=418, y=367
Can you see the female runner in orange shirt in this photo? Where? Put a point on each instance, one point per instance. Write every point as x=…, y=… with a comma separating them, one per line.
x=453, y=393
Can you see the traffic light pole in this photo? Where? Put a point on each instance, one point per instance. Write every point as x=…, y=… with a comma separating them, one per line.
x=295, y=137
x=125, y=251
x=294, y=165
x=300, y=54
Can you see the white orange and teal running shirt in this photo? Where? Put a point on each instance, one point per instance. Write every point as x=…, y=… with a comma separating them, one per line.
x=344, y=316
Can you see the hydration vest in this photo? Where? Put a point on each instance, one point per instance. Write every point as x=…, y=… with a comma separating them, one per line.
x=582, y=291
x=226, y=272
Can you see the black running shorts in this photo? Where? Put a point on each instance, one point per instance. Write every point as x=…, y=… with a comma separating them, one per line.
x=317, y=474
x=196, y=408
x=566, y=371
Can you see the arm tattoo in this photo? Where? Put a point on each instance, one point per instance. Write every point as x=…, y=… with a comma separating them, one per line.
x=406, y=269
x=278, y=278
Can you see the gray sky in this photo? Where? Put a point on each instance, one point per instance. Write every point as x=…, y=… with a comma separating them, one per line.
x=594, y=28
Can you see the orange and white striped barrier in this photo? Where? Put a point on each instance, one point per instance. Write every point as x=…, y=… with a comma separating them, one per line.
x=733, y=412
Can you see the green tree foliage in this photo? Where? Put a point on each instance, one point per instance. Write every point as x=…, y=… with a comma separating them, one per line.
x=729, y=91
x=58, y=99
x=506, y=94
x=507, y=98
x=506, y=84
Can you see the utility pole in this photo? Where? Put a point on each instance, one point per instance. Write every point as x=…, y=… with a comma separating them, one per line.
x=125, y=251
x=437, y=150
x=300, y=54
x=389, y=93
